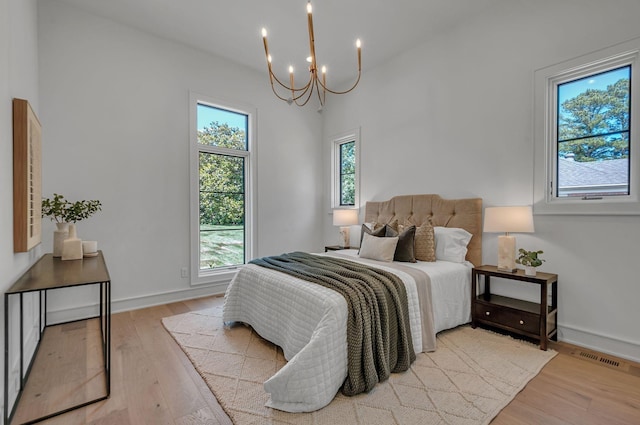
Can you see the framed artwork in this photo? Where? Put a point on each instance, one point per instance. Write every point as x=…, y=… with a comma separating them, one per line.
x=27, y=177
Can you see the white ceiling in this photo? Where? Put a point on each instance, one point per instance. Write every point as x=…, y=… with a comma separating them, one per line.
x=231, y=28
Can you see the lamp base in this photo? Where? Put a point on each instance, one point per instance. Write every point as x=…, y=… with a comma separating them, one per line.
x=345, y=237
x=506, y=253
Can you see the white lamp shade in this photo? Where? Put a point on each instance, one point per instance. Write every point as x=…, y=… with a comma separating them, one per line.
x=508, y=219
x=345, y=217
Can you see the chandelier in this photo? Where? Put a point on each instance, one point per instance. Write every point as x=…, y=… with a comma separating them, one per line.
x=301, y=95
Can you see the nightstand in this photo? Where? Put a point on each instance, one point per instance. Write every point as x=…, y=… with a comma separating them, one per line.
x=534, y=320
x=335, y=248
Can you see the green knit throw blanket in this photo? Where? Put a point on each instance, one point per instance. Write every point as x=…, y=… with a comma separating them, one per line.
x=378, y=332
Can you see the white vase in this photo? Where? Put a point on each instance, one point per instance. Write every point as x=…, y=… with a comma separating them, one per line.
x=59, y=235
x=529, y=270
x=72, y=246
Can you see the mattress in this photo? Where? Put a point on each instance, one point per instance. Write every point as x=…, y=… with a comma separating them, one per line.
x=308, y=322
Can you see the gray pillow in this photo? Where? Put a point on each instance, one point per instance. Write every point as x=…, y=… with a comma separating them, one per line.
x=404, y=249
x=380, y=232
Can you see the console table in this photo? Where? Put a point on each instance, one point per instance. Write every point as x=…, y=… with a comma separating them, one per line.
x=49, y=274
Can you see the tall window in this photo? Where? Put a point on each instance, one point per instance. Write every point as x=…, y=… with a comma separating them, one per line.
x=345, y=184
x=586, y=145
x=347, y=173
x=221, y=201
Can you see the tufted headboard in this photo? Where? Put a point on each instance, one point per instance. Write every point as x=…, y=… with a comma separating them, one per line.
x=418, y=209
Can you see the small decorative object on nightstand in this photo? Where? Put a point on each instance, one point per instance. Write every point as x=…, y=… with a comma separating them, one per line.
x=530, y=260
x=534, y=320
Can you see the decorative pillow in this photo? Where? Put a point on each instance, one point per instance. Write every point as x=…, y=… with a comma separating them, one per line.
x=451, y=243
x=405, y=248
x=377, y=248
x=425, y=245
x=379, y=232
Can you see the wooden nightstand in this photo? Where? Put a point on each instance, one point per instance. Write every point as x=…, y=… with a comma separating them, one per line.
x=335, y=248
x=535, y=320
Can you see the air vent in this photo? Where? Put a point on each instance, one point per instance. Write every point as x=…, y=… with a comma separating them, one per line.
x=602, y=360
x=590, y=356
x=609, y=362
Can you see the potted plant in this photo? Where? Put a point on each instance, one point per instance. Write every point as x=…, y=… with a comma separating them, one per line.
x=530, y=260
x=64, y=212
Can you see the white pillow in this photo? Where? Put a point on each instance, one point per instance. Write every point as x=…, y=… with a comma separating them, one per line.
x=375, y=248
x=451, y=243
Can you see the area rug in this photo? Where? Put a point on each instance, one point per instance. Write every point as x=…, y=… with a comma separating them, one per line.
x=473, y=374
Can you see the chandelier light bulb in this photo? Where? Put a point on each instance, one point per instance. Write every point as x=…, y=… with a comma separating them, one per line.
x=324, y=69
x=264, y=32
x=290, y=69
x=269, y=58
x=358, y=43
x=309, y=58
x=309, y=8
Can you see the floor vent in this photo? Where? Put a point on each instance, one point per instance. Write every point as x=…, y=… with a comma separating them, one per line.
x=600, y=359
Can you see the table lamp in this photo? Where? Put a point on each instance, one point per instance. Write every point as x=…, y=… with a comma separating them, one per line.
x=507, y=220
x=344, y=219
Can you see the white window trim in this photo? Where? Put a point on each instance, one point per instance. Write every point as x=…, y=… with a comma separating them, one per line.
x=336, y=141
x=545, y=149
x=220, y=274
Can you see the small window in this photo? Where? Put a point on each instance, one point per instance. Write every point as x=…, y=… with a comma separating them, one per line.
x=586, y=143
x=593, y=135
x=345, y=184
x=221, y=189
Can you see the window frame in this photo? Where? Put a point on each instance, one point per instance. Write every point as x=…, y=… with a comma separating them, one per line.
x=220, y=274
x=336, y=142
x=546, y=81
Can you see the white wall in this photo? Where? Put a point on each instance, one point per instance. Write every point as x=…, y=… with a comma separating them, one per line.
x=115, y=117
x=454, y=116
x=18, y=78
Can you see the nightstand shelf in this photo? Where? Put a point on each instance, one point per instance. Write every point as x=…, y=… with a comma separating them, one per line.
x=536, y=320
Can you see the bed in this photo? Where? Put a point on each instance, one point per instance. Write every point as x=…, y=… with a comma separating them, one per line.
x=308, y=321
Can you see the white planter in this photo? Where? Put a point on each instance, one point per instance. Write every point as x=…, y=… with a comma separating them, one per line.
x=59, y=235
x=72, y=246
x=529, y=270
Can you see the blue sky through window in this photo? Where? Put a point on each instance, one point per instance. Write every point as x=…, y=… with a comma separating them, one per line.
x=208, y=114
x=599, y=81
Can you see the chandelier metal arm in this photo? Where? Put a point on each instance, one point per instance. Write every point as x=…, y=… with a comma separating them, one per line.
x=324, y=87
x=310, y=92
x=294, y=98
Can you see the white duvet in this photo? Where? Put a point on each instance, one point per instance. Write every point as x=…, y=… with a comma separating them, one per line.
x=309, y=323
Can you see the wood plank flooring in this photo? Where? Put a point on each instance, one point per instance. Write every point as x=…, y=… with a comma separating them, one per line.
x=153, y=382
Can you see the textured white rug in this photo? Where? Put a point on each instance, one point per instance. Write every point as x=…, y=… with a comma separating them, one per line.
x=473, y=375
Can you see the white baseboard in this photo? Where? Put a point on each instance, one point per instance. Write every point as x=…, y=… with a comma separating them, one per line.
x=134, y=303
x=606, y=344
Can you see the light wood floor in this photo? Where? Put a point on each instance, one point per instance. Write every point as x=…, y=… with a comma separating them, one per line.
x=153, y=382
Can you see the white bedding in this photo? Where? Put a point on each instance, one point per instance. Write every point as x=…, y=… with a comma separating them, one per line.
x=308, y=322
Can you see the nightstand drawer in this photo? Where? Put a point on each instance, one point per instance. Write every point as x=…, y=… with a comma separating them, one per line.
x=515, y=319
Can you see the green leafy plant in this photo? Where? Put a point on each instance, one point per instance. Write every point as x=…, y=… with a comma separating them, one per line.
x=55, y=208
x=60, y=210
x=529, y=258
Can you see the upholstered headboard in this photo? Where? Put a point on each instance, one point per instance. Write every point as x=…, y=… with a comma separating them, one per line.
x=419, y=209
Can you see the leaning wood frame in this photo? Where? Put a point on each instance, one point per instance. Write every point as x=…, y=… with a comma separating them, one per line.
x=27, y=177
